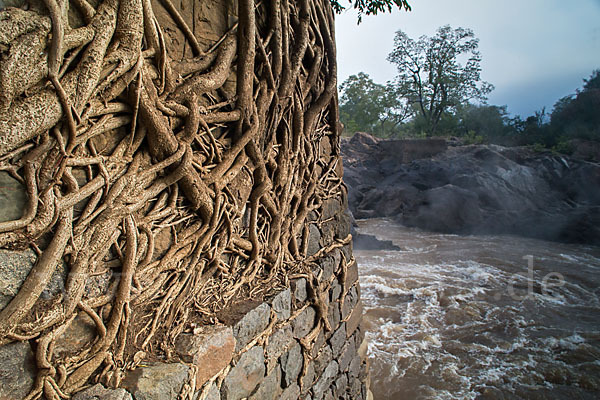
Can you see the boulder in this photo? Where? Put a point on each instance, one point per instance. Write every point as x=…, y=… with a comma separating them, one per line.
x=157, y=381
x=247, y=374
x=210, y=349
x=17, y=370
x=476, y=189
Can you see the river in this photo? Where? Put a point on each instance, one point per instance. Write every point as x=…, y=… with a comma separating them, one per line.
x=480, y=317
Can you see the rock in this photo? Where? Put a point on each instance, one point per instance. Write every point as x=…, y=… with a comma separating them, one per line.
x=304, y=322
x=370, y=242
x=331, y=207
x=292, y=363
x=17, y=370
x=309, y=378
x=14, y=268
x=278, y=344
x=448, y=208
x=291, y=393
x=351, y=275
x=354, y=368
x=325, y=380
x=322, y=360
x=282, y=305
x=212, y=394
x=270, y=387
x=157, y=381
x=81, y=332
x=252, y=324
x=247, y=374
x=336, y=291
x=314, y=237
x=210, y=350
x=346, y=356
x=354, y=320
x=99, y=392
x=481, y=189
x=341, y=384
x=13, y=198
x=333, y=314
x=299, y=286
x=337, y=340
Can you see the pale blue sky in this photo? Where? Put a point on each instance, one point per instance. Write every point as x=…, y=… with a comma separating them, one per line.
x=534, y=51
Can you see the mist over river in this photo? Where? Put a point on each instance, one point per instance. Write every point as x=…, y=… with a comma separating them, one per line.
x=480, y=317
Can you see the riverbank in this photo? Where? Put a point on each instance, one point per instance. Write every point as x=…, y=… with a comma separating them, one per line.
x=475, y=189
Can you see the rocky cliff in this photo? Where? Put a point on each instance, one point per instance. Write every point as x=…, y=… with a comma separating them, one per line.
x=474, y=189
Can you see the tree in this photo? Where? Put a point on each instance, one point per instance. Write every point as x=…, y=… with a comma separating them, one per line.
x=431, y=76
x=172, y=150
x=577, y=116
x=370, y=107
x=372, y=7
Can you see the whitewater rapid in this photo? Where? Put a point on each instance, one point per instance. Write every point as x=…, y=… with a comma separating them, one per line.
x=480, y=317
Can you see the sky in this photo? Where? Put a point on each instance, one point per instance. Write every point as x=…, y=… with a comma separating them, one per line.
x=533, y=51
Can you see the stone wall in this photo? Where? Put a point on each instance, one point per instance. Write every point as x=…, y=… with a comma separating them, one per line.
x=302, y=341
x=277, y=349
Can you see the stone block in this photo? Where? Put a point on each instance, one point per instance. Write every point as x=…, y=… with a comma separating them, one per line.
x=336, y=291
x=323, y=359
x=355, y=318
x=79, y=333
x=328, y=231
x=330, y=208
x=251, y=325
x=14, y=268
x=292, y=363
x=278, y=343
x=304, y=322
x=346, y=356
x=314, y=237
x=299, y=286
x=270, y=387
x=210, y=350
x=350, y=301
x=99, y=392
x=333, y=314
x=354, y=367
x=347, y=251
x=308, y=379
x=341, y=384
x=327, y=265
x=212, y=393
x=17, y=370
x=282, y=305
x=318, y=344
x=13, y=198
x=344, y=226
x=351, y=274
x=157, y=381
x=247, y=374
x=291, y=393
x=326, y=379
x=337, y=340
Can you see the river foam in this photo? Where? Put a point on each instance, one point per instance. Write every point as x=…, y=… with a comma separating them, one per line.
x=459, y=317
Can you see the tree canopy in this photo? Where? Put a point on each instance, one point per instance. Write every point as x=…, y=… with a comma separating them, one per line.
x=371, y=7
x=431, y=75
x=371, y=107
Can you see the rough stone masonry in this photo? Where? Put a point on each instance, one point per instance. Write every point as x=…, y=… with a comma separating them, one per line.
x=173, y=225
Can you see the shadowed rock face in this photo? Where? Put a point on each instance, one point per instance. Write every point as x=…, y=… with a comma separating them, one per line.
x=475, y=189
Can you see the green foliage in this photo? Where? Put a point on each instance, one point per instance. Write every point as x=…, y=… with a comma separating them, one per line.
x=370, y=107
x=578, y=116
x=431, y=77
x=371, y=7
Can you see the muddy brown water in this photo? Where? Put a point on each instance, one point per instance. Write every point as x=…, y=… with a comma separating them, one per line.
x=480, y=317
